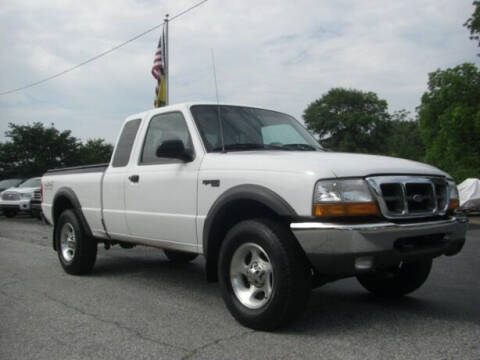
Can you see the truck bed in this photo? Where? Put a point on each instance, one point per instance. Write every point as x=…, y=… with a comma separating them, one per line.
x=82, y=181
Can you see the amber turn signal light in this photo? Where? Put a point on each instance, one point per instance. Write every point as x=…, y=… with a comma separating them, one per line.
x=346, y=209
x=454, y=204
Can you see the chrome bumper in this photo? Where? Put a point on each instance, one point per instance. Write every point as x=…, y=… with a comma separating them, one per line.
x=346, y=249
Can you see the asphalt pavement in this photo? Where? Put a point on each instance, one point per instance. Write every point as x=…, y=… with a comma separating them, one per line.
x=136, y=305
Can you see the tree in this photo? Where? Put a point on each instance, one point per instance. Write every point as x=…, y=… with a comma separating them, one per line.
x=33, y=149
x=349, y=120
x=405, y=140
x=449, y=116
x=95, y=151
x=473, y=23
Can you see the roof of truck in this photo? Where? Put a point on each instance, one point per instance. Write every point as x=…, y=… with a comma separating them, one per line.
x=183, y=106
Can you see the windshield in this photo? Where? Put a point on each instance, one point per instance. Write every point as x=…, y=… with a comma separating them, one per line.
x=247, y=128
x=5, y=184
x=30, y=183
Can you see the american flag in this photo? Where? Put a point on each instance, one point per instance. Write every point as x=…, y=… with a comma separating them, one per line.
x=158, y=69
x=158, y=72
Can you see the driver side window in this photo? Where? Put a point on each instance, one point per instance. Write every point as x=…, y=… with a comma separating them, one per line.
x=165, y=127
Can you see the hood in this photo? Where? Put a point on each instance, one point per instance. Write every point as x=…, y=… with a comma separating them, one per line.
x=350, y=164
x=22, y=190
x=321, y=164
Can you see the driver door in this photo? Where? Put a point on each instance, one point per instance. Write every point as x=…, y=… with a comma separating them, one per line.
x=161, y=192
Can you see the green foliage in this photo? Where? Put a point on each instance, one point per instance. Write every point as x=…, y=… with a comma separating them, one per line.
x=449, y=117
x=405, y=140
x=473, y=23
x=349, y=120
x=95, y=151
x=33, y=149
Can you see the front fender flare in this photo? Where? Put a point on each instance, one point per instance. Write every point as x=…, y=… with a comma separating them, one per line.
x=256, y=193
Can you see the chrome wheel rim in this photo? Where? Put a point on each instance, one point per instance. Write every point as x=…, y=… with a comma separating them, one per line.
x=68, y=242
x=251, y=275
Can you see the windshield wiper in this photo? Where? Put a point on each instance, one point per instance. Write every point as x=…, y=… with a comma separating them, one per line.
x=249, y=146
x=304, y=147
x=253, y=146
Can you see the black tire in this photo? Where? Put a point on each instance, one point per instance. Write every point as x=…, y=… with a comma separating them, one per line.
x=291, y=279
x=179, y=257
x=85, y=253
x=9, y=213
x=398, y=281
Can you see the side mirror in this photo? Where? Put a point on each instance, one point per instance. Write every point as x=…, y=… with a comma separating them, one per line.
x=173, y=149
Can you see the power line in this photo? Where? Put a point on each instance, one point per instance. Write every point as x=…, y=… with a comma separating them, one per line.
x=102, y=54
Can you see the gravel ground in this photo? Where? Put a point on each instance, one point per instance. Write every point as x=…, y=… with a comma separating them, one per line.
x=136, y=305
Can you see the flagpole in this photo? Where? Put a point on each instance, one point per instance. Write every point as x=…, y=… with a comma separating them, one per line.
x=167, y=75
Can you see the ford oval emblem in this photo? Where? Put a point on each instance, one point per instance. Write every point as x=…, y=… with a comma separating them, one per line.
x=418, y=198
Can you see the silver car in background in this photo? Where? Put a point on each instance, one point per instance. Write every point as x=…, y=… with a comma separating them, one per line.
x=19, y=198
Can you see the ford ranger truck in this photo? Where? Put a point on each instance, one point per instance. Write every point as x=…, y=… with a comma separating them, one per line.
x=272, y=212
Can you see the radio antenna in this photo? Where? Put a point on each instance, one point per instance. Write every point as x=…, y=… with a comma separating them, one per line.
x=219, y=117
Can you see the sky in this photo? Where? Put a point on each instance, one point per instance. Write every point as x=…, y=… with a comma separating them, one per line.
x=275, y=54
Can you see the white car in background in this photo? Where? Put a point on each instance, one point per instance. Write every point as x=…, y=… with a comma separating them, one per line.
x=18, y=198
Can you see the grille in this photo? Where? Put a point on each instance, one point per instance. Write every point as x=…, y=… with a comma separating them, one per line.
x=10, y=196
x=410, y=196
x=37, y=195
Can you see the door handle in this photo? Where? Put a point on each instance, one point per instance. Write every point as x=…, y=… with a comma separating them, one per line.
x=134, y=178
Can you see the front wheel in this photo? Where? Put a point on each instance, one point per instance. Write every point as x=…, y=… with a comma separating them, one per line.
x=397, y=281
x=10, y=213
x=76, y=251
x=264, y=276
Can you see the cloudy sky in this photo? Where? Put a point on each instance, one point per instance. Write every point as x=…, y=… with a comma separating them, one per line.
x=276, y=54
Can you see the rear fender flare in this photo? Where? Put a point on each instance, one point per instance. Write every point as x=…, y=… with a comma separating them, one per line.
x=66, y=193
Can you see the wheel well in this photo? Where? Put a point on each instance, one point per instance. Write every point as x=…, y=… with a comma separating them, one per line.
x=230, y=214
x=61, y=204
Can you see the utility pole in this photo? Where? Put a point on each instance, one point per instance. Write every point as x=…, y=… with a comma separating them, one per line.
x=167, y=73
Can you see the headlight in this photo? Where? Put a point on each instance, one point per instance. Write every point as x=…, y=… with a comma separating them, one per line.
x=454, y=196
x=350, y=197
x=26, y=196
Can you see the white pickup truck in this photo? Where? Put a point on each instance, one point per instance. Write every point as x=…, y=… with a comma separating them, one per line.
x=272, y=212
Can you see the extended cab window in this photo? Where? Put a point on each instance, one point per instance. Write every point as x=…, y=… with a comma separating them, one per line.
x=165, y=127
x=125, y=143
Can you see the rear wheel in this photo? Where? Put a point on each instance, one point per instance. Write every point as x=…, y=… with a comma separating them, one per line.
x=264, y=277
x=179, y=257
x=9, y=213
x=397, y=281
x=76, y=251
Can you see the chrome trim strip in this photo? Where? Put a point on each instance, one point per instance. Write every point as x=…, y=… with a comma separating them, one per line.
x=372, y=226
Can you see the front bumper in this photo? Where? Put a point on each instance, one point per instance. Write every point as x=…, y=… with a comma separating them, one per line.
x=35, y=205
x=24, y=205
x=346, y=249
x=10, y=205
x=19, y=205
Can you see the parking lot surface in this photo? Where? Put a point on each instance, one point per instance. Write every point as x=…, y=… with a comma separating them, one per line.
x=136, y=305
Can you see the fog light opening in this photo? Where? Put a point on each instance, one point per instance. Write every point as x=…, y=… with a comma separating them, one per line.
x=364, y=263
